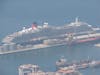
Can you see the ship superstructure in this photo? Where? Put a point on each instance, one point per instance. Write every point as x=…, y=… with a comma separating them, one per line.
x=47, y=35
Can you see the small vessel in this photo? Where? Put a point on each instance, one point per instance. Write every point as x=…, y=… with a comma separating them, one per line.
x=97, y=45
x=78, y=65
x=43, y=36
x=29, y=69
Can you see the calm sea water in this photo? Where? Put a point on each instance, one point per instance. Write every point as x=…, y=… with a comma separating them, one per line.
x=14, y=14
x=47, y=57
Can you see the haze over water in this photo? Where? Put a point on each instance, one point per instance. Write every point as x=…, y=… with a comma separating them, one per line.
x=14, y=14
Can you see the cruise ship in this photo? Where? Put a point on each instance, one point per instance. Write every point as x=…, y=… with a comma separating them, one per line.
x=42, y=36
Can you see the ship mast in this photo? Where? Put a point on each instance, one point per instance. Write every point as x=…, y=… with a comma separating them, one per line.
x=71, y=35
x=76, y=24
x=76, y=21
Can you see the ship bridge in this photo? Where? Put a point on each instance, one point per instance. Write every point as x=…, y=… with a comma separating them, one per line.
x=39, y=34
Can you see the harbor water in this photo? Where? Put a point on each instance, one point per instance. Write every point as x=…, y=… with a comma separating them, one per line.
x=15, y=14
x=47, y=57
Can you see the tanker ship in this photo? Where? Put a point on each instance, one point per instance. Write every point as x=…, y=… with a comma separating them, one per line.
x=42, y=36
